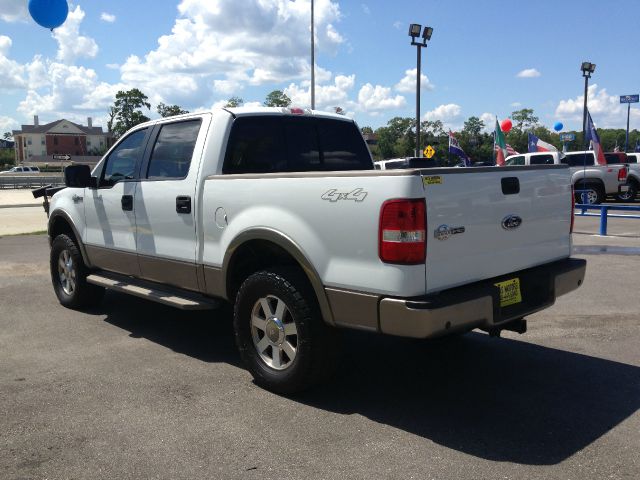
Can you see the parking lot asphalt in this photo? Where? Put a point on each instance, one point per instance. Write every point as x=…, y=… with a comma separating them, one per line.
x=134, y=389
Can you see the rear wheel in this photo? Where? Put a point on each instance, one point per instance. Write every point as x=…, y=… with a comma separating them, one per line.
x=630, y=194
x=69, y=274
x=282, y=339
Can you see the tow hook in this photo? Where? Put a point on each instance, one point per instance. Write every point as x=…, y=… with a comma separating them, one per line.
x=519, y=326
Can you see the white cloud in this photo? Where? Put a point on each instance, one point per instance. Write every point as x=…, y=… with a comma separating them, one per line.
x=11, y=72
x=408, y=82
x=397, y=24
x=372, y=99
x=107, y=17
x=8, y=124
x=528, y=73
x=13, y=10
x=489, y=120
x=72, y=45
x=516, y=104
x=113, y=66
x=327, y=96
x=365, y=9
x=266, y=43
x=449, y=114
x=606, y=110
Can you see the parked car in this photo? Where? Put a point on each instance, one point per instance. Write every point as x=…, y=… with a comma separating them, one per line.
x=281, y=213
x=22, y=170
x=633, y=178
x=595, y=181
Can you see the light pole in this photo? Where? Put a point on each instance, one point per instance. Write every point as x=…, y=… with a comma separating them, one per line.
x=414, y=32
x=587, y=69
x=313, y=63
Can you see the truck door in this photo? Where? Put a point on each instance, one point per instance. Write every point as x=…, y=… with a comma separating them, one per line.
x=166, y=204
x=109, y=214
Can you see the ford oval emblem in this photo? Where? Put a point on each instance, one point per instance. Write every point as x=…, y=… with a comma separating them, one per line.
x=511, y=222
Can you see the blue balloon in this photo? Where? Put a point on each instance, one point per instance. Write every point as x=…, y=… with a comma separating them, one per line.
x=49, y=13
x=558, y=126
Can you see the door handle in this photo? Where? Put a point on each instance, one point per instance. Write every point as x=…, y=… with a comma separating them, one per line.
x=127, y=202
x=183, y=204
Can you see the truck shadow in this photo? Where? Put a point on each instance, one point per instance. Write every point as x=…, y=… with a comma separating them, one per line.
x=497, y=399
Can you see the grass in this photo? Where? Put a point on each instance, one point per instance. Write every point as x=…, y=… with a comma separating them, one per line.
x=37, y=232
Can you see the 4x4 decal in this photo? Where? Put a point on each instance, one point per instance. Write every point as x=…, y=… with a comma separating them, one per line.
x=333, y=195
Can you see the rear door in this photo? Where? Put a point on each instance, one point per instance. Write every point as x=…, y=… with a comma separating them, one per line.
x=486, y=222
x=166, y=203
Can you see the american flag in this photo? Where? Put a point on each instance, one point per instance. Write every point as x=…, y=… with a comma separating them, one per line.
x=510, y=150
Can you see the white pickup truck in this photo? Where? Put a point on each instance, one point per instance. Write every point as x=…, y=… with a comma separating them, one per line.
x=591, y=181
x=281, y=213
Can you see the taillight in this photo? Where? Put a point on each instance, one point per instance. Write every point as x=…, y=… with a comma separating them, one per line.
x=622, y=173
x=402, y=235
x=573, y=208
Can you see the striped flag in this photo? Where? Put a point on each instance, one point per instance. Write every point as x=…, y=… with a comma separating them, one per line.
x=511, y=150
x=499, y=145
x=592, y=135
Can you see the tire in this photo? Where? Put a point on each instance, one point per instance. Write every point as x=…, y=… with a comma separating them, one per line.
x=69, y=275
x=629, y=195
x=595, y=194
x=282, y=339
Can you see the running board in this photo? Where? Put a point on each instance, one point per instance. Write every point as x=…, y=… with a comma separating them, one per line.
x=155, y=293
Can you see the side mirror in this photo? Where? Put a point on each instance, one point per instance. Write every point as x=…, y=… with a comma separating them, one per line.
x=78, y=176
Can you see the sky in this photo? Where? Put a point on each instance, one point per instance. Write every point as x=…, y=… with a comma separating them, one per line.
x=486, y=58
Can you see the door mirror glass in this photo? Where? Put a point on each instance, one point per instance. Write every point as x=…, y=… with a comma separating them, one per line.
x=78, y=176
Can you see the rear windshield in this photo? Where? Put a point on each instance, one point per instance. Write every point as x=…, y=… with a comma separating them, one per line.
x=578, y=159
x=541, y=160
x=615, y=158
x=269, y=144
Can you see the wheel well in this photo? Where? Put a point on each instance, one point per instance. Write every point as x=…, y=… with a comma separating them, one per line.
x=61, y=226
x=588, y=183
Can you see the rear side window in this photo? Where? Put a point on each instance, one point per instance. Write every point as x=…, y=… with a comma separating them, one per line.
x=541, y=160
x=613, y=158
x=172, y=152
x=515, y=160
x=579, y=159
x=632, y=158
x=294, y=144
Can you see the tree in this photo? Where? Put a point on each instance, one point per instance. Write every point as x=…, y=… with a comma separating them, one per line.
x=234, y=102
x=8, y=136
x=366, y=130
x=170, y=110
x=524, y=119
x=473, y=126
x=112, y=115
x=126, y=110
x=277, y=98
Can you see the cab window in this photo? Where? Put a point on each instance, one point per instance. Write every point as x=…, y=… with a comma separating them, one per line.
x=517, y=160
x=172, y=152
x=121, y=163
x=541, y=160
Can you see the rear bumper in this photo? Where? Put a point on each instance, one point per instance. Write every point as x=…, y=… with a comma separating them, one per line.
x=478, y=304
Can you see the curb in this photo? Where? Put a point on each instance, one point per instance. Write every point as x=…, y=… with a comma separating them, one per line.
x=22, y=205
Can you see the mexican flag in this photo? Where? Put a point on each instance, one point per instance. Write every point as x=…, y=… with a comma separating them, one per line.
x=500, y=145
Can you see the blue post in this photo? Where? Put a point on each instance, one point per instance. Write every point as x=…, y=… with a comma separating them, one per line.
x=603, y=219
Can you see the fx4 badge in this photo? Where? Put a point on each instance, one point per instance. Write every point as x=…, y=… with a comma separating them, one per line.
x=333, y=195
x=443, y=232
x=511, y=222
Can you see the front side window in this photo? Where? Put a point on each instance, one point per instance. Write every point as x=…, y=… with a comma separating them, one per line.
x=121, y=163
x=172, y=152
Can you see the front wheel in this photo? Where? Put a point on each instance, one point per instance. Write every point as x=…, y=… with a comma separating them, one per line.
x=280, y=334
x=69, y=274
x=591, y=195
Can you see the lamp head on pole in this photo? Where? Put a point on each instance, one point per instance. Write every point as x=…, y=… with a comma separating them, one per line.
x=587, y=69
x=414, y=30
x=428, y=31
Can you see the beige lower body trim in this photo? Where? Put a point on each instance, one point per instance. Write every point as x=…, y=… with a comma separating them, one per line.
x=396, y=318
x=112, y=260
x=214, y=281
x=170, y=272
x=353, y=309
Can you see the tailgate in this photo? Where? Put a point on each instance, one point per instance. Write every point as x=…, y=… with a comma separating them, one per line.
x=486, y=222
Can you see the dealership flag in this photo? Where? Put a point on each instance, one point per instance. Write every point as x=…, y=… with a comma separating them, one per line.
x=592, y=135
x=454, y=147
x=511, y=150
x=499, y=145
x=537, y=145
